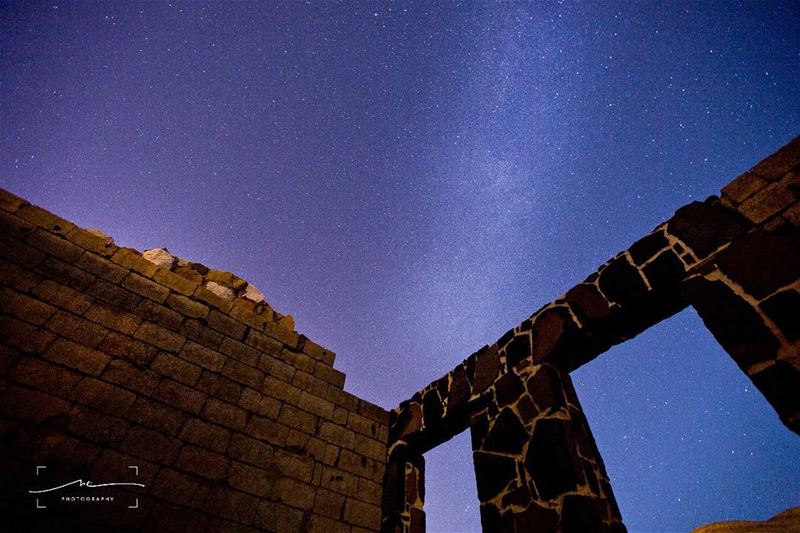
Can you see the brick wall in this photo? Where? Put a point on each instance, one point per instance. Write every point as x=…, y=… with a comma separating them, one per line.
x=109, y=360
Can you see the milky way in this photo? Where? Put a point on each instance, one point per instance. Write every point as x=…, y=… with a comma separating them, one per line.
x=410, y=182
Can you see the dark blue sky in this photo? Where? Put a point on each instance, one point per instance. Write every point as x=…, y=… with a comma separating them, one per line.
x=410, y=181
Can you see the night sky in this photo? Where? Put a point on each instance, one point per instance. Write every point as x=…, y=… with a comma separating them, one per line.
x=409, y=182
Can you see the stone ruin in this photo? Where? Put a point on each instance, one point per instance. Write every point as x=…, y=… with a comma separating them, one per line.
x=112, y=359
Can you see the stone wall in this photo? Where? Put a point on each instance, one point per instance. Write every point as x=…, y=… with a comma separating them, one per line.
x=736, y=260
x=149, y=369
x=123, y=367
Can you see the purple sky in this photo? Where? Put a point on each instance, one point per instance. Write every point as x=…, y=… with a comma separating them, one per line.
x=409, y=182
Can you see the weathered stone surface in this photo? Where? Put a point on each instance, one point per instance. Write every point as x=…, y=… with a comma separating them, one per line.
x=621, y=282
x=783, y=308
x=493, y=473
x=551, y=461
x=507, y=434
x=762, y=264
x=646, y=247
x=253, y=294
x=160, y=257
x=582, y=514
x=587, y=302
x=220, y=290
x=704, y=227
x=779, y=383
x=487, y=366
x=546, y=333
x=743, y=187
x=508, y=389
x=664, y=271
x=518, y=349
x=732, y=321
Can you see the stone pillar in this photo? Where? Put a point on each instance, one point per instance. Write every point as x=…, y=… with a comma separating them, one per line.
x=404, y=491
x=749, y=298
x=537, y=467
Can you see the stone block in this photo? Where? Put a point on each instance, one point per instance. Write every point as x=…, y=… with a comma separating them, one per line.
x=24, y=307
x=101, y=429
x=704, y=227
x=370, y=448
x=129, y=349
x=180, y=488
x=330, y=375
x=21, y=279
x=54, y=245
x=267, y=430
x=225, y=414
x=239, y=351
x=249, y=479
x=77, y=329
x=252, y=451
x=155, y=415
x=102, y=396
x=175, y=282
x=329, y=503
x=779, y=163
x=176, y=368
x=279, y=518
x=762, y=264
x=294, y=493
x=113, y=318
x=296, y=418
x=226, y=325
x=145, y=287
x=180, y=396
x=133, y=260
x=10, y=202
x=336, y=434
x=187, y=306
x=768, y=202
x=219, y=387
x=202, y=356
x=159, y=337
x=132, y=378
x=92, y=241
x=296, y=465
x=324, y=524
x=44, y=219
x=62, y=296
x=281, y=390
x=263, y=343
x=210, y=436
x=201, y=334
x=783, y=308
x=316, y=405
x=102, y=267
x=362, y=514
x=202, y=462
x=114, y=295
x=31, y=405
x=43, y=376
x=159, y=314
x=244, y=374
x=79, y=357
x=743, y=187
x=24, y=336
x=259, y=403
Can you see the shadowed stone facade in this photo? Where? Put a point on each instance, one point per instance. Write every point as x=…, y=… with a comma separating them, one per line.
x=235, y=422
x=735, y=259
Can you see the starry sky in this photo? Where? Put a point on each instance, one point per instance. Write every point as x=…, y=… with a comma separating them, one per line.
x=410, y=180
